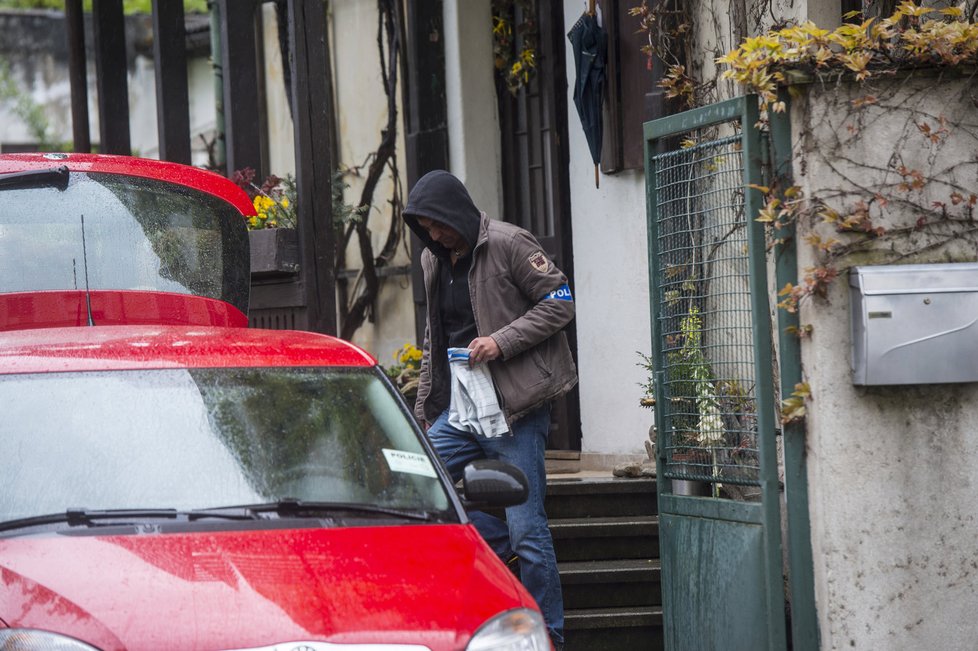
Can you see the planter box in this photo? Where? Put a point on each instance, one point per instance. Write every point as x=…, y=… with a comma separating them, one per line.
x=274, y=252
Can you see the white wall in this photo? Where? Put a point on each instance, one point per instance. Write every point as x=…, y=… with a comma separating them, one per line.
x=281, y=139
x=611, y=287
x=473, y=121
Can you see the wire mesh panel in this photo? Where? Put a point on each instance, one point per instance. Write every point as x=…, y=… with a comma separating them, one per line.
x=712, y=349
x=707, y=398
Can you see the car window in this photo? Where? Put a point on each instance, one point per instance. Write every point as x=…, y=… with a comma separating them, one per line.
x=205, y=438
x=139, y=234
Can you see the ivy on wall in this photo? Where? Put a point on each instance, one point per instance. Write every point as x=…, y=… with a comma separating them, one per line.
x=901, y=189
x=891, y=135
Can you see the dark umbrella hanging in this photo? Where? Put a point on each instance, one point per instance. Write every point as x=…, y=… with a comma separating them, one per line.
x=590, y=44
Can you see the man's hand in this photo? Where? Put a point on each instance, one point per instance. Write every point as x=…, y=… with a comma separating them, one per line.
x=483, y=349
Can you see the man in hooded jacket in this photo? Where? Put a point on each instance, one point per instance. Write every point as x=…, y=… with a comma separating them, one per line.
x=490, y=288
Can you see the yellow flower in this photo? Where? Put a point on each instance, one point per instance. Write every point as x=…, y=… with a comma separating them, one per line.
x=408, y=355
x=263, y=203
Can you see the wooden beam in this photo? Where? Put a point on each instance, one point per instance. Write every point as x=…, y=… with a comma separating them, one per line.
x=239, y=58
x=112, y=76
x=172, y=98
x=312, y=104
x=425, y=116
x=77, y=75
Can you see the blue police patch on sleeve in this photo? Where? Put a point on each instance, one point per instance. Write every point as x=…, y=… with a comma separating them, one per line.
x=562, y=293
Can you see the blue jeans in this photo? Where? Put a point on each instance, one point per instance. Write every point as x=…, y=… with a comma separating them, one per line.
x=525, y=531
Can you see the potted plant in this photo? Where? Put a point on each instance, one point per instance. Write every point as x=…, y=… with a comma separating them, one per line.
x=271, y=231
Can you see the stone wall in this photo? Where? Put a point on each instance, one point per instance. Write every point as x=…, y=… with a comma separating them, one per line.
x=892, y=470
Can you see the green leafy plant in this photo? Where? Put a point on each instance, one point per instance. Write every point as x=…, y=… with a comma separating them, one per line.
x=648, y=386
x=343, y=212
x=689, y=365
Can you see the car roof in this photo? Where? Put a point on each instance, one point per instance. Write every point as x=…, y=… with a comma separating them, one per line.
x=191, y=177
x=133, y=347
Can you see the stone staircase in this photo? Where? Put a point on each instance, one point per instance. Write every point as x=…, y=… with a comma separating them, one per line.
x=606, y=535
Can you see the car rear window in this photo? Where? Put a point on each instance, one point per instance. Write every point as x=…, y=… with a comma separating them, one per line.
x=139, y=234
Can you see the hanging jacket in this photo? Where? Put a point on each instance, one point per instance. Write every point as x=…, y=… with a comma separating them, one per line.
x=519, y=298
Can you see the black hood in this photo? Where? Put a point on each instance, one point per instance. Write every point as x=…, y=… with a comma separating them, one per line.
x=440, y=196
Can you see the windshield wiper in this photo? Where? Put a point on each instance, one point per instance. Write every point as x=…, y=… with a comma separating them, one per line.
x=92, y=518
x=56, y=177
x=302, y=508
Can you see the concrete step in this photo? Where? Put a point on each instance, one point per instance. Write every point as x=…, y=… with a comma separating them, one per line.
x=606, y=538
x=600, y=497
x=610, y=584
x=618, y=629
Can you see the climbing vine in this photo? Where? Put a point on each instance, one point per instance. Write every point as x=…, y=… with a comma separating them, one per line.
x=358, y=299
x=666, y=25
x=912, y=37
x=906, y=197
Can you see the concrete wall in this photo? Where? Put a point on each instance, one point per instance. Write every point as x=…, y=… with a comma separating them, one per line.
x=892, y=471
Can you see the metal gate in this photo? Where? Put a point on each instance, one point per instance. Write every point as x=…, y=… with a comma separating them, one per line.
x=719, y=505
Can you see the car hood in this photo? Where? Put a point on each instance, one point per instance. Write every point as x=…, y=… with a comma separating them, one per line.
x=426, y=584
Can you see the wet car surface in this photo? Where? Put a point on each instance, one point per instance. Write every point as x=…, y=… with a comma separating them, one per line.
x=174, y=480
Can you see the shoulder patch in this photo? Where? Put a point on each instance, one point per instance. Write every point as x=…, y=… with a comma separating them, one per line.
x=539, y=261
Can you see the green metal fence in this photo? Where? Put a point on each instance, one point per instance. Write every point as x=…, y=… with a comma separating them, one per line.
x=704, y=316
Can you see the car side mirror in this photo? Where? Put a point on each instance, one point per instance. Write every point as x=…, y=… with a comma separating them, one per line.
x=493, y=483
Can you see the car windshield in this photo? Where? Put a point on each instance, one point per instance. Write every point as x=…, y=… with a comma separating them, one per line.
x=140, y=234
x=207, y=438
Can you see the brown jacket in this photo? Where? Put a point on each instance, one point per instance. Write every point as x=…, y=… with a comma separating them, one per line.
x=522, y=301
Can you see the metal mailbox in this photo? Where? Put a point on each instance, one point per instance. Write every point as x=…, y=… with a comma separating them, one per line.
x=914, y=324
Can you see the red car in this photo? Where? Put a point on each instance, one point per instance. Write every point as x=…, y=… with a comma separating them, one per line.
x=173, y=480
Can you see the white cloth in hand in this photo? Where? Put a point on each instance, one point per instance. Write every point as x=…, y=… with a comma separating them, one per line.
x=474, y=407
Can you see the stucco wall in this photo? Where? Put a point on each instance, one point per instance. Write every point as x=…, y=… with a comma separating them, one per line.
x=361, y=111
x=892, y=470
